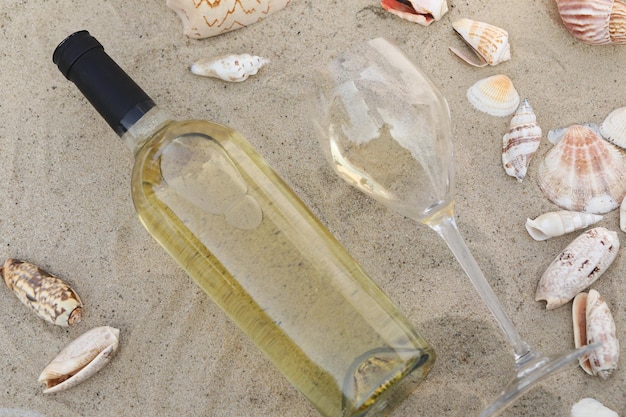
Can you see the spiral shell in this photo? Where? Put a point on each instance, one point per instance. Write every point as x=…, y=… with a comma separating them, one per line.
x=48, y=296
x=494, y=95
x=613, y=128
x=422, y=12
x=206, y=18
x=558, y=223
x=590, y=407
x=594, y=21
x=233, y=68
x=593, y=323
x=521, y=142
x=578, y=266
x=489, y=42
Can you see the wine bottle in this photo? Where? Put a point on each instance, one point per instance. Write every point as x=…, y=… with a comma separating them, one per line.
x=245, y=238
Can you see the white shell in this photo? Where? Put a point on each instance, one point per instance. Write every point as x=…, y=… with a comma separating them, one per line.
x=558, y=223
x=594, y=324
x=596, y=22
x=613, y=128
x=422, y=12
x=494, y=95
x=205, y=18
x=81, y=359
x=590, y=407
x=233, y=68
x=622, y=216
x=582, y=262
x=521, y=142
x=489, y=42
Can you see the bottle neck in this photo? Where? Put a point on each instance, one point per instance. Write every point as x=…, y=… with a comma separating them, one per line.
x=143, y=129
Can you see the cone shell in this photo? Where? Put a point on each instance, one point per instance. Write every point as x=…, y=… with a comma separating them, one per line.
x=578, y=266
x=48, y=296
x=558, y=223
x=422, y=12
x=583, y=172
x=593, y=323
x=233, y=68
x=205, y=18
x=488, y=41
x=613, y=128
x=594, y=21
x=81, y=359
x=521, y=142
x=494, y=95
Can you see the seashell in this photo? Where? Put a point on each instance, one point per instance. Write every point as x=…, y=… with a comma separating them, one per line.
x=555, y=135
x=558, y=223
x=233, y=68
x=594, y=21
x=594, y=324
x=521, y=142
x=206, y=18
x=583, y=172
x=81, y=359
x=622, y=216
x=578, y=266
x=48, y=296
x=590, y=407
x=490, y=43
x=613, y=128
x=494, y=95
x=423, y=12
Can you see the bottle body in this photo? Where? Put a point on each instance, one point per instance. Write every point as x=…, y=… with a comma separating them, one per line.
x=247, y=240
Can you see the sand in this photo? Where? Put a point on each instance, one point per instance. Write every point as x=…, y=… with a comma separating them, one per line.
x=66, y=206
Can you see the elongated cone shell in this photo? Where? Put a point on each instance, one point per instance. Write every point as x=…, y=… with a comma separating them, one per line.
x=48, y=296
x=613, y=128
x=589, y=407
x=422, y=12
x=521, y=142
x=578, y=266
x=593, y=323
x=583, y=172
x=233, y=68
x=81, y=359
x=558, y=223
x=488, y=41
x=494, y=95
x=594, y=21
x=205, y=18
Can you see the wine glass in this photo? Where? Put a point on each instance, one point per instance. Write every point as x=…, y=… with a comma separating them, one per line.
x=385, y=129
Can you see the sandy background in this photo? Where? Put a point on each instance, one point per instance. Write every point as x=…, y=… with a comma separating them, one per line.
x=65, y=205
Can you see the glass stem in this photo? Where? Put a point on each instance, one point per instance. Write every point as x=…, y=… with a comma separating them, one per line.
x=449, y=231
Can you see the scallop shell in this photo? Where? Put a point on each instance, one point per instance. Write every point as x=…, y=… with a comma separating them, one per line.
x=558, y=223
x=590, y=407
x=423, y=12
x=233, y=68
x=613, y=128
x=48, y=296
x=206, y=18
x=494, y=95
x=578, y=266
x=594, y=324
x=583, y=172
x=594, y=21
x=81, y=359
x=489, y=42
x=521, y=142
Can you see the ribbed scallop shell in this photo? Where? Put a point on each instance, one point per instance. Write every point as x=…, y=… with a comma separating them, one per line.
x=590, y=407
x=558, y=223
x=422, y=12
x=594, y=21
x=488, y=41
x=613, y=128
x=521, y=142
x=583, y=172
x=495, y=95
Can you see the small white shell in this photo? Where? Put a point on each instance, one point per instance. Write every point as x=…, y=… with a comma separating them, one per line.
x=558, y=223
x=81, y=359
x=489, y=42
x=494, y=95
x=521, y=142
x=613, y=128
x=582, y=262
x=622, y=216
x=590, y=407
x=233, y=68
x=422, y=12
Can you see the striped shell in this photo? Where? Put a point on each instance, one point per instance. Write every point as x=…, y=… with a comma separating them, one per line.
x=422, y=12
x=578, y=266
x=233, y=68
x=593, y=323
x=489, y=42
x=206, y=18
x=494, y=95
x=594, y=21
x=613, y=128
x=558, y=223
x=583, y=172
x=521, y=142
x=48, y=296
